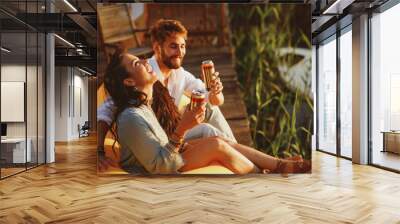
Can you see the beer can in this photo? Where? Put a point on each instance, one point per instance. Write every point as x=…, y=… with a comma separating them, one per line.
x=197, y=98
x=208, y=70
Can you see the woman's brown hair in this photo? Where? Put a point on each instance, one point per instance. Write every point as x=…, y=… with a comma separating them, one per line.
x=164, y=107
x=123, y=96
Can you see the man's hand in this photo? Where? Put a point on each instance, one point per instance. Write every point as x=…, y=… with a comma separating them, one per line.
x=216, y=97
x=216, y=85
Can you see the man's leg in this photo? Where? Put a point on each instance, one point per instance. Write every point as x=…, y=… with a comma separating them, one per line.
x=215, y=118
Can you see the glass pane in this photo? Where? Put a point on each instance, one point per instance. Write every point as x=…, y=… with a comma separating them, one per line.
x=386, y=89
x=80, y=101
x=346, y=94
x=13, y=84
x=41, y=98
x=31, y=86
x=327, y=97
x=31, y=97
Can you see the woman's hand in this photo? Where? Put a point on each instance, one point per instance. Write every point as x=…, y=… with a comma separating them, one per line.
x=191, y=118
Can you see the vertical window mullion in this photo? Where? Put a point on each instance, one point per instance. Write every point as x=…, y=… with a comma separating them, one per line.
x=1, y=164
x=317, y=108
x=369, y=78
x=37, y=90
x=26, y=86
x=338, y=80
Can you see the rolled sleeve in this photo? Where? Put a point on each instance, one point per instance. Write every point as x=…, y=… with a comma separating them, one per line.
x=105, y=112
x=193, y=83
x=136, y=136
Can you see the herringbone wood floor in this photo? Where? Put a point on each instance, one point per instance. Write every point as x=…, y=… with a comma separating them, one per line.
x=69, y=191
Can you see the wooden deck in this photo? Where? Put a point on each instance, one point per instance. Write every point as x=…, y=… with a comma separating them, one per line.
x=69, y=191
x=234, y=108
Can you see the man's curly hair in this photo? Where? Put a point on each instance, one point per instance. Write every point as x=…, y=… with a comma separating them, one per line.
x=164, y=28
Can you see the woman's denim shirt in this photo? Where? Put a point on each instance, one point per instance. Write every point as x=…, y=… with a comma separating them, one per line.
x=143, y=143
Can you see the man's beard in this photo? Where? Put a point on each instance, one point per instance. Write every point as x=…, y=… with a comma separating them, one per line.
x=167, y=60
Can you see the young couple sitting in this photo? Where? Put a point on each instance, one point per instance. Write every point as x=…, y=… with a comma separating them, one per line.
x=154, y=137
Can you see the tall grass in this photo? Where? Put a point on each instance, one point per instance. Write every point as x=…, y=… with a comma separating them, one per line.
x=281, y=115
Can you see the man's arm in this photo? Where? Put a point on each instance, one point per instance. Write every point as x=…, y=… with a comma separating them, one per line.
x=103, y=162
x=102, y=129
x=104, y=120
x=216, y=97
x=105, y=116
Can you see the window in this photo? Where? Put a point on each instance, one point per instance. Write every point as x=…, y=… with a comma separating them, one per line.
x=327, y=96
x=22, y=76
x=385, y=88
x=346, y=93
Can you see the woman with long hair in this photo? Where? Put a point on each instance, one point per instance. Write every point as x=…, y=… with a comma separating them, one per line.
x=147, y=147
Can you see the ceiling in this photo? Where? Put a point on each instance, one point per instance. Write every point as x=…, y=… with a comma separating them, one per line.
x=330, y=15
x=80, y=28
x=39, y=6
x=77, y=27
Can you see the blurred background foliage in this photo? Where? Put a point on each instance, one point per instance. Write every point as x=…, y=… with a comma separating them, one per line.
x=266, y=39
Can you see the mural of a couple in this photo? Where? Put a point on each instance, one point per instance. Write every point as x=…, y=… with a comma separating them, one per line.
x=204, y=89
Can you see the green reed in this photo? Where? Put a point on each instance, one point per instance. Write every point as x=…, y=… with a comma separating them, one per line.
x=281, y=116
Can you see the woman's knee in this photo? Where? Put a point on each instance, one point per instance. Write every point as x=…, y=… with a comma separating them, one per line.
x=228, y=155
x=219, y=144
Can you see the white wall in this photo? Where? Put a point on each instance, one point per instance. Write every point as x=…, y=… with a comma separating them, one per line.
x=61, y=103
x=71, y=94
x=13, y=73
x=80, y=84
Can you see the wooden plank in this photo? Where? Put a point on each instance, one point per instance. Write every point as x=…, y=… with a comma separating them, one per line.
x=241, y=131
x=233, y=110
x=203, y=23
x=141, y=52
x=115, y=22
